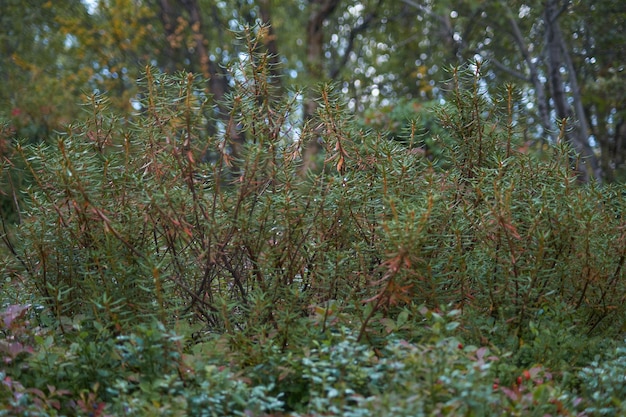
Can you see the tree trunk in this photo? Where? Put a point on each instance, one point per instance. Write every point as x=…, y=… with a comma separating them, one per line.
x=540, y=93
x=168, y=19
x=320, y=10
x=558, y=59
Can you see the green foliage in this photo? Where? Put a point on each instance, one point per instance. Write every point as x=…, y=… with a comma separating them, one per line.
x=144, y=372
x=413, y=123
x=88, y=369
x=604, y=385
x=380, y=283
x=42, y=81
x=501, y=232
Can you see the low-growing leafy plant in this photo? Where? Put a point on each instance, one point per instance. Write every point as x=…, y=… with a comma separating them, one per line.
x=89, y=370
x=603, y=384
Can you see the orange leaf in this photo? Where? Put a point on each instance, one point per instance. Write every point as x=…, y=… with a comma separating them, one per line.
x=340, y=164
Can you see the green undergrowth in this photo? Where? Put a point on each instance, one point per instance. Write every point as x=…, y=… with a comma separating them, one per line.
x=88, y=370
x=160, y=267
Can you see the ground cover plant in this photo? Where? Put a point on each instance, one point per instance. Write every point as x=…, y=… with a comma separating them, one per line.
x=160, y=268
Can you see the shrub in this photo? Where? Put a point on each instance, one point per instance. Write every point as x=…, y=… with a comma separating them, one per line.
x=603, y=384
x=89, y=370
x=151, y=218
x=132, y=219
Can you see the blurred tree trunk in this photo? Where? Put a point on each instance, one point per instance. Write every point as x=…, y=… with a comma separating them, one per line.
x=171, y=14
x=543, y=107
x=559, y=59
x=320, y=10
x=168, y=18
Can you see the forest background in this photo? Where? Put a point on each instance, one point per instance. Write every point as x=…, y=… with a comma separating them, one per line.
x=322, y=207
x=565, y=57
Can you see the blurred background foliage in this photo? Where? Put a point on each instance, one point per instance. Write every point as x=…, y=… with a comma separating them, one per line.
x=565, y=56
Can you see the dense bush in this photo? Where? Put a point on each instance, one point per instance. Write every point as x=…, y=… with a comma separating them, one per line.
x=146, y=373
x=150, y=218
x=604, y=384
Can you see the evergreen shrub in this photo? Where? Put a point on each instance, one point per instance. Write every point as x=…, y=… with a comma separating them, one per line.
x=198, y=215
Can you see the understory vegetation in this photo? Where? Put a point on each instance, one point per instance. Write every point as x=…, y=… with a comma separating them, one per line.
x=157, y=268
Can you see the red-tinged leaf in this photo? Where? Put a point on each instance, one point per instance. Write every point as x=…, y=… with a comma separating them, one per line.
x=82, y=405
x=39, y=393
x=534, y=371
x=388, y=324
x=227, y=160
x=374, y=298
x=480, y=353
x=339, y=164
x=406, y=344
x=284, y=374
x=12, y=313
x=511, y=229
x=513, y=395
x=98, y=410
x=16, y=348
